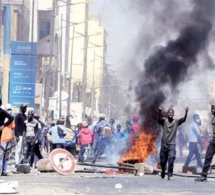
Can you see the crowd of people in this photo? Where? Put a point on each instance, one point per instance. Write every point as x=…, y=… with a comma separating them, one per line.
x=31, y=137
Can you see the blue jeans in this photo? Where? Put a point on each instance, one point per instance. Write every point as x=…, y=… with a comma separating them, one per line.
x=193, y=149
x=103, y=145
x=4, y=156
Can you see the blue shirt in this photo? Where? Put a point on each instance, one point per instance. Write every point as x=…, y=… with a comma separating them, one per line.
x=194, y=132
x=54, y=134
x=119, y=135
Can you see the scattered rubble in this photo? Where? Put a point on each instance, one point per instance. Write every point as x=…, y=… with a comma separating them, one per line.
x=44, y=165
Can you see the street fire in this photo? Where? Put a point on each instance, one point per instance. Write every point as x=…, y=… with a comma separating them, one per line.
x=141, y=149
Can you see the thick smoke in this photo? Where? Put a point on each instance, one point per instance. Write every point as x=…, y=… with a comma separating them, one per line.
x=173, y=64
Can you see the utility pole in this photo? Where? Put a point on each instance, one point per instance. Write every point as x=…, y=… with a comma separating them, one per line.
x=32, y=22
x=67, y=31
x=84, y=79
x=60, y=70
x=93, y=87
x=70, y=73
x=48, y=70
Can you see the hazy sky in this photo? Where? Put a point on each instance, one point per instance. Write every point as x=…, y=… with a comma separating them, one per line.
x=137, y=27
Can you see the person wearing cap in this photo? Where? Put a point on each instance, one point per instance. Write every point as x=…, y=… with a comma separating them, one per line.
x=168, y=141
x=57, y=133
x=19, y=129
x=7, y=141
x=85, y=138
x=210, y=151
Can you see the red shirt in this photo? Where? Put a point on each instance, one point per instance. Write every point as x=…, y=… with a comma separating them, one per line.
x=85, y=136
x=134, y=130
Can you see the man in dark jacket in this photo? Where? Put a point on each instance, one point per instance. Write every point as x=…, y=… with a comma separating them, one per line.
x=210, y=151
x=19, y=129
x=168, y=143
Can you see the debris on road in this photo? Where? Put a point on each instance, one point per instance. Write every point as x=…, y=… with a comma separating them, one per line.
x=44, y=165
x=118, y=186
x=8, y=187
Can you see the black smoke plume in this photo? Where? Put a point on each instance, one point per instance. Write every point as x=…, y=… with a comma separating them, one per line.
x=169, y=66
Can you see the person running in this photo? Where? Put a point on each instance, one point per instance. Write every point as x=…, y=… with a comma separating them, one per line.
x=7, y=142
x=104, y=144
x=168, y=141
x=98, y=132
x=194, y=136
x=19, y=129
x=210, y=151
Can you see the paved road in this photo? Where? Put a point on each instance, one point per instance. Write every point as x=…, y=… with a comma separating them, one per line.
x=102, y=184
x=37, y=183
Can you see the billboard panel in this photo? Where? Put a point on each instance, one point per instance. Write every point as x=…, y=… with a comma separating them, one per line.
x=22, y=89
x=17, y=101
x=22, y=76
x=23, y=62
x=26, y=48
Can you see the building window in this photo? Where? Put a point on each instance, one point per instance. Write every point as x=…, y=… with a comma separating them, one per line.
x=44, y=29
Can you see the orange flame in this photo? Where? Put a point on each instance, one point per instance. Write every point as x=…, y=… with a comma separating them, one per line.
x=143, y=146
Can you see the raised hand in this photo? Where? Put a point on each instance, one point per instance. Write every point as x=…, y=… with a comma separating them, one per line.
x=160, y=108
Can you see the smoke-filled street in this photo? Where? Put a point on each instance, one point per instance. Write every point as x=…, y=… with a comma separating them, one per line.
x=107, y=97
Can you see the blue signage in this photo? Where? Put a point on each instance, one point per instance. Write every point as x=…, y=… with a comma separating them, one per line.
x=26, y=48
x=22, y=89
x=23, y=73
x=17, y=101
x=23, y=62
x=22, y=76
